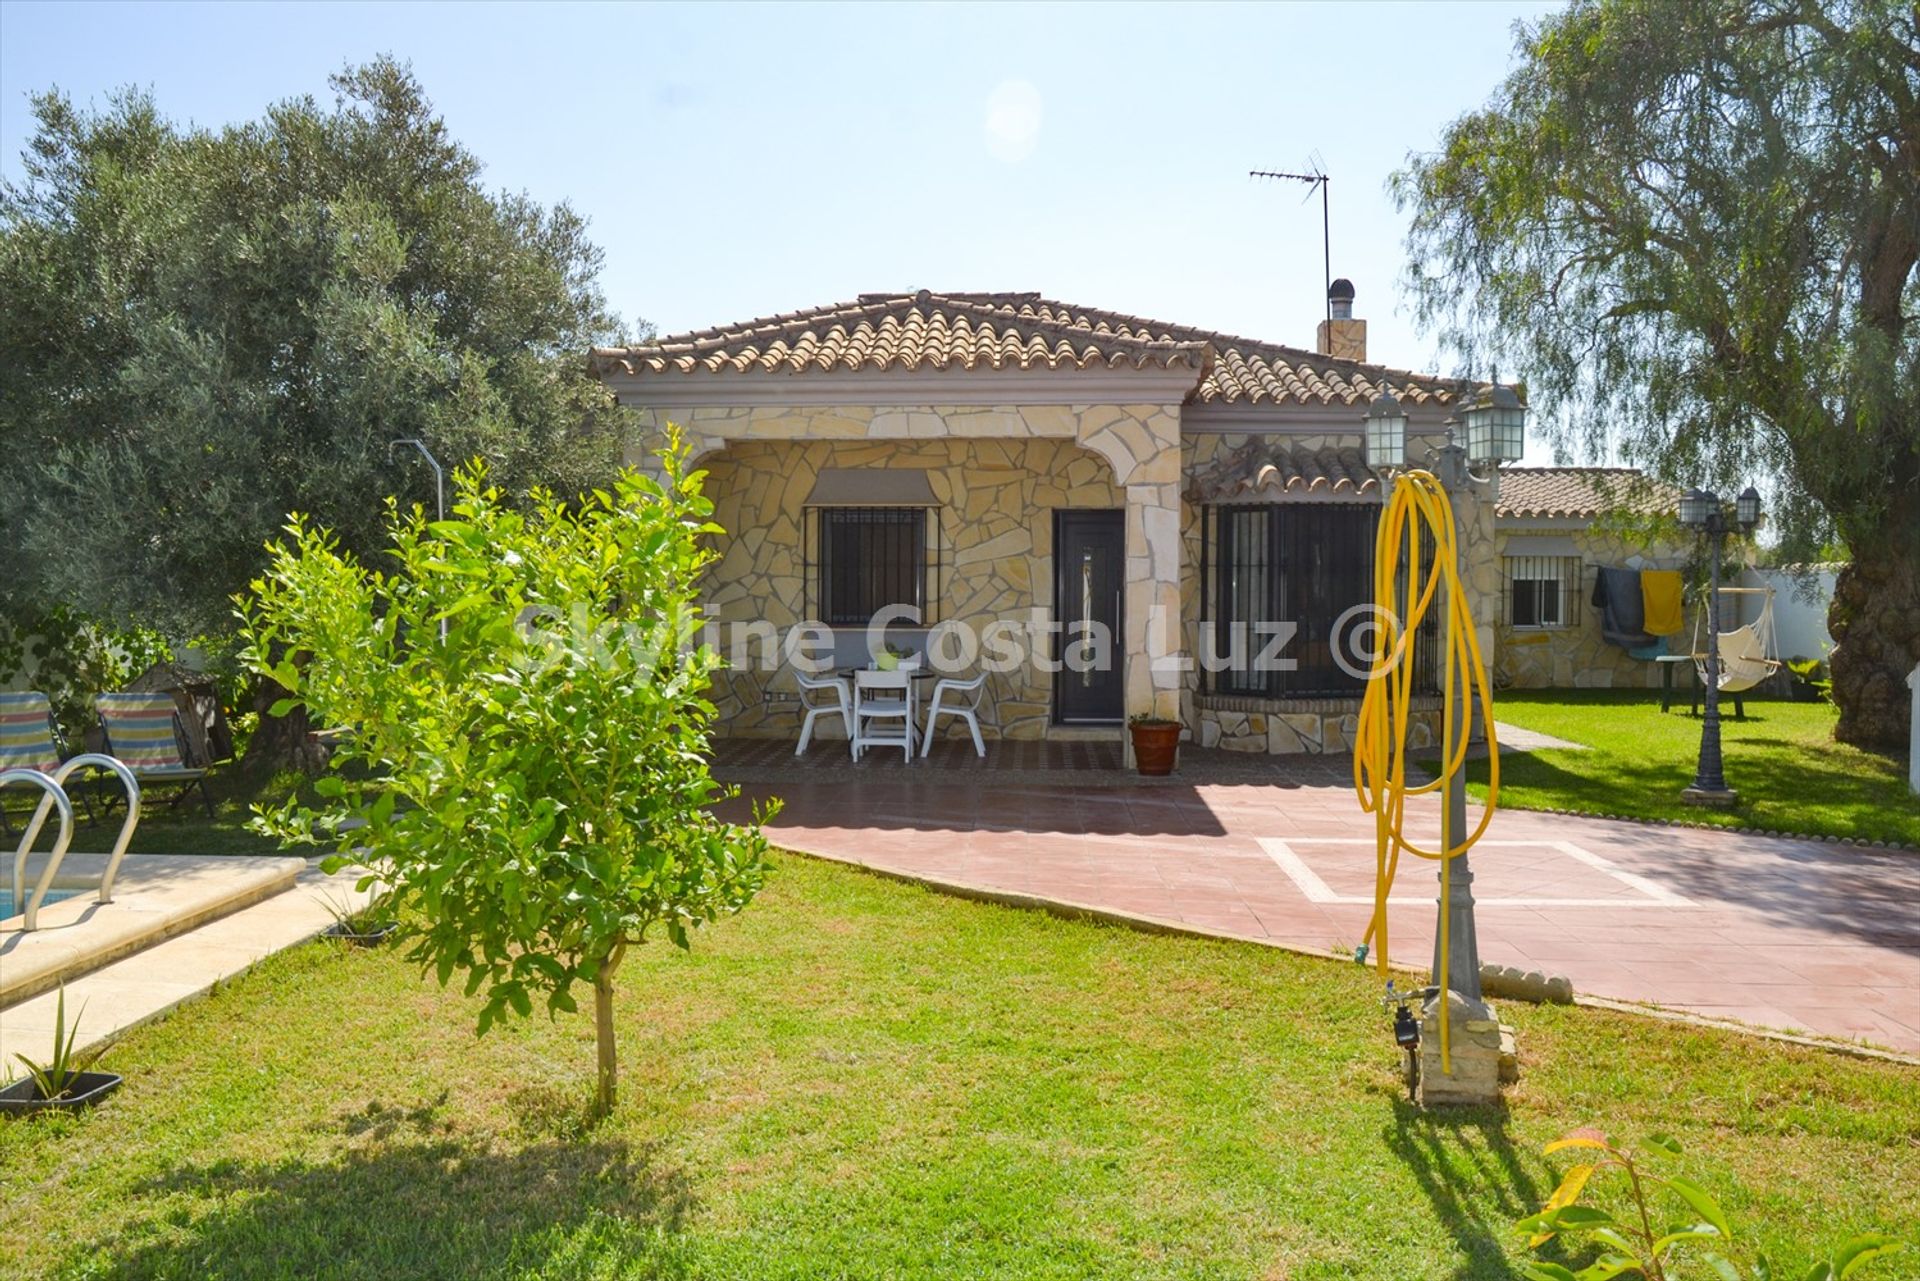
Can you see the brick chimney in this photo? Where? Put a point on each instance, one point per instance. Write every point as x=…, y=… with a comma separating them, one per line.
x=1343, y=336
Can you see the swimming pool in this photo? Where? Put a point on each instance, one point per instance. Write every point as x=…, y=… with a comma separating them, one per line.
x=7, y=908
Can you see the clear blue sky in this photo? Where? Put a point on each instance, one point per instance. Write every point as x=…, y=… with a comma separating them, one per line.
x=737, y=161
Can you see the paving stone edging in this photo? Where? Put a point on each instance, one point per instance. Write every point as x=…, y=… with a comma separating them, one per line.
x=1069, y=909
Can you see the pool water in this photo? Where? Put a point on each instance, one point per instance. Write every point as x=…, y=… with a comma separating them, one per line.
x=8, y=909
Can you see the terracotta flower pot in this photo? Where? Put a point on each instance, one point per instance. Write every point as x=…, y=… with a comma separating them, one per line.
x=1156, y=744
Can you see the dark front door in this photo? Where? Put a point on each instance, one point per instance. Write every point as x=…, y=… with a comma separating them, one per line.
x=1089, y=559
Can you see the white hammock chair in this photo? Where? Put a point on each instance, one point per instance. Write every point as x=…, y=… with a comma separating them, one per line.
x=1748, y=653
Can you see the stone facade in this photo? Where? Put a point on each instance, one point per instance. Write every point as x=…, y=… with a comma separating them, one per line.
x=1576, y=656
x=998, y=473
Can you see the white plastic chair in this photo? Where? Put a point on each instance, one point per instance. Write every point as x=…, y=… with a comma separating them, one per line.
x=887, y=698
x=965, y=696
x=840, y=705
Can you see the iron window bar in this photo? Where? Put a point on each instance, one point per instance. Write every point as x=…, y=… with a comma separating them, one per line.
x=1307, y=564
x=1541, y=593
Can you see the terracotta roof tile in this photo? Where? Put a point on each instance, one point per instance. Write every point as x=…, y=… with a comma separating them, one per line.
x=1264, y=470
x=1019, y=331
x=1581, y=492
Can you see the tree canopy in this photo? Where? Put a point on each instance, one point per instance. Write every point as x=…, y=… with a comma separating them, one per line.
x=1692, y=229
x=207, y=329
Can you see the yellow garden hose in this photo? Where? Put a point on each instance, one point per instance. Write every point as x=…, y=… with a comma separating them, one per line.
x=1405, y=589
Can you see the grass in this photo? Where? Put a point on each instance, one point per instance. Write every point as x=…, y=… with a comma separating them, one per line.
x=857, y=1078
x=1792, y=777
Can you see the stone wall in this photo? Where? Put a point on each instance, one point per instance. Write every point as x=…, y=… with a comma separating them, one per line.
x=1576, y=656
x=1138, y=443
x=995, y=554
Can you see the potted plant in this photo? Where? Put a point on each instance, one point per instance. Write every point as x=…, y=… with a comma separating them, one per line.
x=893, y=658
x=368, y=925
x=63, y=1082
x=1156, y=743
x=1810, y=680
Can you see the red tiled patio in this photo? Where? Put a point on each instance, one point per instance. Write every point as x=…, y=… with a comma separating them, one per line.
x=1768, y=931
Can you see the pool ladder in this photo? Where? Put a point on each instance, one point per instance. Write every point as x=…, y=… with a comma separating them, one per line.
x=56, y=798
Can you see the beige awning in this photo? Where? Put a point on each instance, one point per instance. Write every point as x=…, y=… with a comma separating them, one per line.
x=871, y=487
x=1540, y=545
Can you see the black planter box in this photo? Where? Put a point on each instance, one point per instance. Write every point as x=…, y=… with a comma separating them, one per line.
x=371, y=938
x=22, y=1098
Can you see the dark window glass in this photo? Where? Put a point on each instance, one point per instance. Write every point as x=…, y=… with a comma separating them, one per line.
x=870, y=558
x=1542, y=591
x=1306, y=564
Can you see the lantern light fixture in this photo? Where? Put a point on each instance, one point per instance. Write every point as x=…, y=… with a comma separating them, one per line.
x=1386, y=432
x=1698, y=507
x=1496, y=425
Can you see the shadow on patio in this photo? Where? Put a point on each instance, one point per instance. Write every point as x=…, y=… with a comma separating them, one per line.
x=1076, y=787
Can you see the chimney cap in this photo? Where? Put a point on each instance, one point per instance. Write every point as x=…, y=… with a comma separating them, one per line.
x=1341, y=290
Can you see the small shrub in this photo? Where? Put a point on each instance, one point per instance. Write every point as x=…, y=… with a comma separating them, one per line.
x=1636, y=1247
x=525, y=732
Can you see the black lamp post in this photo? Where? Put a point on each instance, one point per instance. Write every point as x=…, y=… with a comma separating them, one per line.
x=1702, y=511
x=1495, y=423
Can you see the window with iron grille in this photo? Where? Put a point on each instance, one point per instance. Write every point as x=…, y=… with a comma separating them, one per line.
x=1306, y=564
x=1543, y=592
x=868, y=559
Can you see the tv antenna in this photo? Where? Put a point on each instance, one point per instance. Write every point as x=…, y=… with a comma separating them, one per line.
x=1318, y=177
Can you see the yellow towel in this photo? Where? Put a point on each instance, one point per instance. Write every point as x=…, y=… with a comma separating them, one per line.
x=1660, y=595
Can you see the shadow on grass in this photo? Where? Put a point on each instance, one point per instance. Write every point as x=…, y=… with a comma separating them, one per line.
x=406, y=1197
x=1477, y=1181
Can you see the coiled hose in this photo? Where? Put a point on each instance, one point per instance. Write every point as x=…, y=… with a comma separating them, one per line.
x=1406, y=587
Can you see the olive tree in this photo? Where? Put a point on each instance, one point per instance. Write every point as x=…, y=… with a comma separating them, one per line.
x=524, y=731
x=207, y=328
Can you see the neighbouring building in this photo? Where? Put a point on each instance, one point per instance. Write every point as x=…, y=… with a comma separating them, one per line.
x=1556, y=528
x=1035, y=473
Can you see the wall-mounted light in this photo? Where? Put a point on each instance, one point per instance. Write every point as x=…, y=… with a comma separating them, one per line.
x=1386, y=432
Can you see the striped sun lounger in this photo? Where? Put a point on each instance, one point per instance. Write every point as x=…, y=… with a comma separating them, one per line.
x=29, y=739
x=143, y=731
x=27, y=732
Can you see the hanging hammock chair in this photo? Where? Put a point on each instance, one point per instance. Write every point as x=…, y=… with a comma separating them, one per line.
x=1748, y=654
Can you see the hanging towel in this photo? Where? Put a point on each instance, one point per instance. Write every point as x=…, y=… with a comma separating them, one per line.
x=1616, y=594
x=1660, y=591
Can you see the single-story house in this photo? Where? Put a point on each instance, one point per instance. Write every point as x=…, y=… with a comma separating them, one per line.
x=1112, y=516
x=1556, y=527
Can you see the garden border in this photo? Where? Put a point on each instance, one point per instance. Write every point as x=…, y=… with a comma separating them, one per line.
x=1068, y=909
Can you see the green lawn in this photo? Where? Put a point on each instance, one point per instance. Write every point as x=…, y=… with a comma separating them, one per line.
x=1791, y=775
x=862, y=1079
x=165, y=828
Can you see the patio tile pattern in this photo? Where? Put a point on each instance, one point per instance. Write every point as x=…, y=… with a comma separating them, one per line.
x=1770, y=931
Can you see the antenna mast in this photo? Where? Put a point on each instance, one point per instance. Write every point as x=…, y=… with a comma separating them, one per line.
x=1318, y=178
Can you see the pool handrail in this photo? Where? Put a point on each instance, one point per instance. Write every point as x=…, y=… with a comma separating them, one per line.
x=56, y=796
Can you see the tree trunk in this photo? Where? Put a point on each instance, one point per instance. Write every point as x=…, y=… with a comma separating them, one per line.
x=1875, y=622
x=605, y=1089
x=281, y=742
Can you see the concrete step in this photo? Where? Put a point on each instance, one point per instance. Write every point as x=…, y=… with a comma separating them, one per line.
x=155, y=897
x=140, y=988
